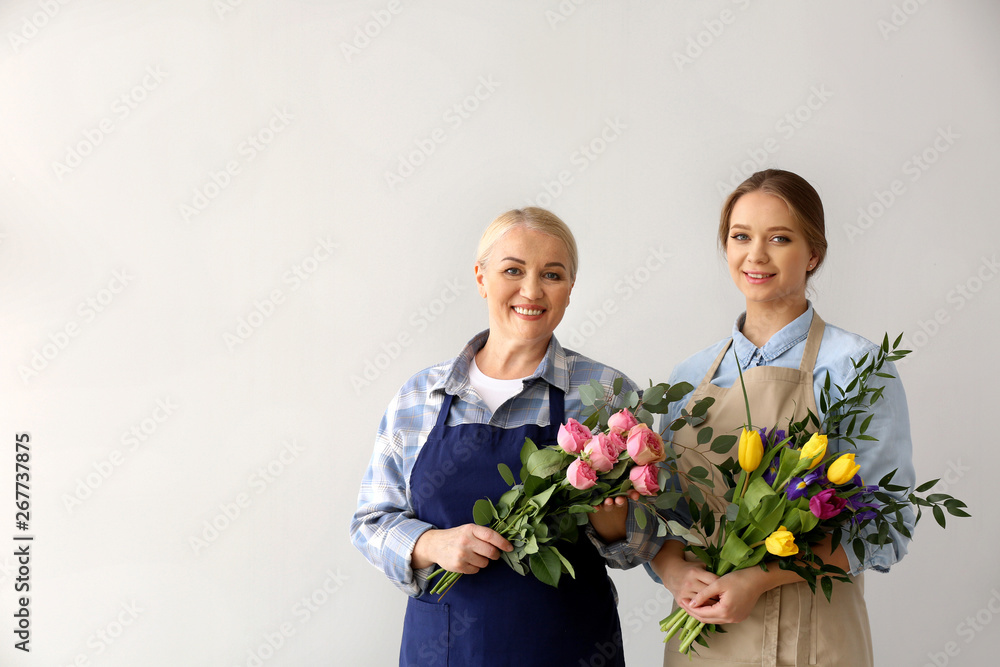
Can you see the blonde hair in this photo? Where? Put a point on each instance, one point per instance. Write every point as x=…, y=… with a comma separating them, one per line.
x=533, y=218
x=802, y=200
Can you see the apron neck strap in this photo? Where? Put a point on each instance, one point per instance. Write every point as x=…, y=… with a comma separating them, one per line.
x=715, y=364
x=815, y=337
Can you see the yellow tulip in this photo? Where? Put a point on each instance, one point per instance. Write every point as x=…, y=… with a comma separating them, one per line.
x=751, y=450
x=843, y=469
x=781, y=543
x=814, y=450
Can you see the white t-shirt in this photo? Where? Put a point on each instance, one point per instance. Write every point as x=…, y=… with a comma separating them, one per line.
x=493, y=391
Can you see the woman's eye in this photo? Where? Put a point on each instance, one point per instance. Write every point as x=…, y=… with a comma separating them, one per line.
x=781, y=239
x=553, y=276
x=512, y=271
x=740, y=237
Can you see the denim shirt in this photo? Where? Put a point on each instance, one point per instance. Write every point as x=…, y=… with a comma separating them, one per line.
x=890, y=423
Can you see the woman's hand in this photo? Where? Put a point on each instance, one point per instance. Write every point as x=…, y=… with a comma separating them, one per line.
x=683, y=578
x=730, y=598
x=611, y=518
x=466, y=549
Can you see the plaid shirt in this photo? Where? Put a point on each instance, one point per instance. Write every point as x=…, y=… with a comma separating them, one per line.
x=384, y=527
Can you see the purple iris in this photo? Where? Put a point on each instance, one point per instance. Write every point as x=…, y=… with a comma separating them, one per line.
x=815, y=476
x=772, y=470
x=796, y=488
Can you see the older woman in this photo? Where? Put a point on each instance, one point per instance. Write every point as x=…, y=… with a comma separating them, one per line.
x=772, y=230
x=437, y=451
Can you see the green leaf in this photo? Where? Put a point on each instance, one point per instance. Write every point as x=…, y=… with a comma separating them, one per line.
x=698, y=472
x=734, y=550
x=546, y=566
x=723, y=444
x=544, y=462
x=939, y=516
x=505, y=472
x=678, y=391
x=598, y=388
x=541, y=498
x=587, y=395
x=827, y=584
x=616, y=386
x=527, y=450
x=667, y=500
x=926, y=486
x=482, y=512
x=859, y=550
x=565, y=563
x=640, y=517
x=704, y=435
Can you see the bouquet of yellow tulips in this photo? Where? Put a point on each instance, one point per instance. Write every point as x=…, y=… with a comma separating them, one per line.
x=779, y=510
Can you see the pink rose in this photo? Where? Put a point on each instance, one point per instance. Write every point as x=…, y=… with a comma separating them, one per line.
x=645, y=445
x=622, y=422
x=573, y=437
x=601, y=453
x=580, y=475
x=645, y=479
x=618, y=440
x=826, y=504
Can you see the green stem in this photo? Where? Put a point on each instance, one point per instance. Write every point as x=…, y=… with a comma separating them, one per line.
x=746, y=399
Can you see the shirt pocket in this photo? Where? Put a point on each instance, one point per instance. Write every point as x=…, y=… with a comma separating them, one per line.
x=426, y=635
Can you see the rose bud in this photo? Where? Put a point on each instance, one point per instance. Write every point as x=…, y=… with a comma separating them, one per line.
x=622, y=422
x=573, y=437
x=580, y=475
x=601, y=453
x=645, y=479
x=645, y=445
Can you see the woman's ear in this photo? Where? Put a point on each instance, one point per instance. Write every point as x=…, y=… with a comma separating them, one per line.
x=480, y=276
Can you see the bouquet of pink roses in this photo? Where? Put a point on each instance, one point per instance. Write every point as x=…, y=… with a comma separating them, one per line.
x=606, y=456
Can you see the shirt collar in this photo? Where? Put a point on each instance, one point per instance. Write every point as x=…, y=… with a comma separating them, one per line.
x=554, y=367
x=789, y=336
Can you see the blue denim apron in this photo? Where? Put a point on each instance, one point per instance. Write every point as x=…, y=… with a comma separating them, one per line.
x=496, y=617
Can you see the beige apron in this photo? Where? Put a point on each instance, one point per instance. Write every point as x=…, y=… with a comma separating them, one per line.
x=789, y=625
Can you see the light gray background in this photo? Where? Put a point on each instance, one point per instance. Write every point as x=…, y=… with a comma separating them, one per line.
x=128, y=304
